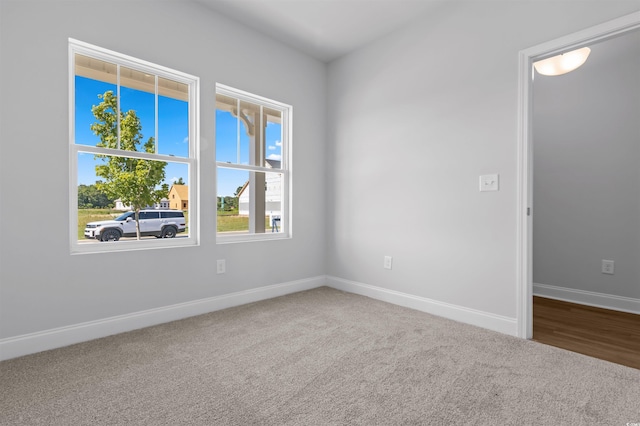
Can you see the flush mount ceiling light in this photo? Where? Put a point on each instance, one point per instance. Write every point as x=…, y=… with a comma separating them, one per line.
x=562, y=64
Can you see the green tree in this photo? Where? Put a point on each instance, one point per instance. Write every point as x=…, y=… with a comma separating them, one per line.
x=227, y=204
x=90, y=197
x=230, y=203
x=165, y=190
x=179, y=182
x=132, y=180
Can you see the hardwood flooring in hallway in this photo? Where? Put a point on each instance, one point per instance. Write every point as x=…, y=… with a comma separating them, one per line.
x=601, y=333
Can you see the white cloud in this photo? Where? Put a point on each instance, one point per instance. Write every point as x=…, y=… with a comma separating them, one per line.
x=186, y=139
x=271, y=148
x=277, y=157
x=174, y=179
x=278, y=143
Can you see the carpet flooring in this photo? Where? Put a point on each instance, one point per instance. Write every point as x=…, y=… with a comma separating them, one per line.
x=318, y=357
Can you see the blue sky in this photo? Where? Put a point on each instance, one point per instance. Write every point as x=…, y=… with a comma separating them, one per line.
x=173, y=132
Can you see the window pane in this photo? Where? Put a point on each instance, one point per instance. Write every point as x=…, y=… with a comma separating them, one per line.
x=241, y=209
x=225, y=137
x=238, y=137
x=273, y=200
x=138, y=111
x=99, y=201
x=93, y=78
x=173, y=118
x=273, y=139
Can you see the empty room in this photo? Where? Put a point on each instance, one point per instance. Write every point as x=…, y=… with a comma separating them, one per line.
x=319, y=212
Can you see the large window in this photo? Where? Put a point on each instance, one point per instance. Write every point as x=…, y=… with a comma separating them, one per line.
x=133, y=148
x=253, y=140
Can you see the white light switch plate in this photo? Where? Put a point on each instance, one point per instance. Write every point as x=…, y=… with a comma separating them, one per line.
x=489, y=183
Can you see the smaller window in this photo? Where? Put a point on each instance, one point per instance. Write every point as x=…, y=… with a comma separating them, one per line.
x=253, y=164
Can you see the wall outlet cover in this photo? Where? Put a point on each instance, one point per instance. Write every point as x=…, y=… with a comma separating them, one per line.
x=388, y=261
x=221, y=266
x=608, y=267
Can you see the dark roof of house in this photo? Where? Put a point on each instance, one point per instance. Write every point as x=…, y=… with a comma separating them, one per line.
x=274, y=164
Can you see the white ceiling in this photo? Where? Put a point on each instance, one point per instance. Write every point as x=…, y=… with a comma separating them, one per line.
x=329, y=29
x=324, y=29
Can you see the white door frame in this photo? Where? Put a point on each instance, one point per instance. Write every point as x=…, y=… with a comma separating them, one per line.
x=526, y=58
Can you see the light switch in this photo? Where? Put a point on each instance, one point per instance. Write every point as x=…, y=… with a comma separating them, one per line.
x=489, y=183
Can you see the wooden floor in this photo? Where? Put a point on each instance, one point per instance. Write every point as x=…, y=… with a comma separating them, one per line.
x=601, y=333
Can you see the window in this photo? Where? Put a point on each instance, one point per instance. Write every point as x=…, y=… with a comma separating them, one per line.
x=166, y=215
x=133, y=141
x=253, y=147
x=149, y=215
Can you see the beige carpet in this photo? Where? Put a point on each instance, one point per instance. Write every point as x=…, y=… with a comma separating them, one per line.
x=320, y=357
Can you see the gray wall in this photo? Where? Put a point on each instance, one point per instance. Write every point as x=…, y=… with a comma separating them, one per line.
x=587, y=172
x=414, y=119
x=411, y=121
x=42, y=285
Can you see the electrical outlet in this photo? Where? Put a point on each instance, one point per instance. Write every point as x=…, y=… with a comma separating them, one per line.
x=607, y=267
x=387, y=262
x=222, y=266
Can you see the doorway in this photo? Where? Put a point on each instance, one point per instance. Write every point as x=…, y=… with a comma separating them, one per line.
x=527, y=57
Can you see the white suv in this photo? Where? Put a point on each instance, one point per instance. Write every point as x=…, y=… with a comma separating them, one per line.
x=159, y=223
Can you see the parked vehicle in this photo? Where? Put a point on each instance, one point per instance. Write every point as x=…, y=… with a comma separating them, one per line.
x=157, y=223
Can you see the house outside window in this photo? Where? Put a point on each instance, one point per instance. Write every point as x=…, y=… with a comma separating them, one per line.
x=253, y=162
x=133, y=129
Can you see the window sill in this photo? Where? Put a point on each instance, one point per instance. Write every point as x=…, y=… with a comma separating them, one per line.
x=245, y=238
x=91, y=246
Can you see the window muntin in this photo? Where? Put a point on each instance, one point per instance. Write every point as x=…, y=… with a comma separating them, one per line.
x=165, y=103
x=253, y=166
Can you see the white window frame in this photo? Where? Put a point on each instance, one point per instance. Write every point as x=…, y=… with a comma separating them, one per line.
x=79, y=47
x=286, y=220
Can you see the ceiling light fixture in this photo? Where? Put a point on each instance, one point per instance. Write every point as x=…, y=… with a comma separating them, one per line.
x=562, y=64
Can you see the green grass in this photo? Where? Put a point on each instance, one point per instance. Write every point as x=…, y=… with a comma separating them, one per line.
x=228, y=223
x=233, y=222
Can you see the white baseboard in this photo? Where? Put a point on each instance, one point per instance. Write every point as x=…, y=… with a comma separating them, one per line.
x=13, y=347
x=487, y=320
x=590, y=298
